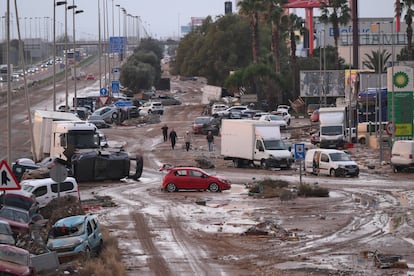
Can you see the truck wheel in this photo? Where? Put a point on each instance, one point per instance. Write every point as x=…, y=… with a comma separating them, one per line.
x=362, y=141
x=236, y=163
x=213, y=187
x=332, y=173
x=263, y=165
x=395, y=169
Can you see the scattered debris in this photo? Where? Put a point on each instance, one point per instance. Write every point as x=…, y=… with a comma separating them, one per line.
x=204, y=162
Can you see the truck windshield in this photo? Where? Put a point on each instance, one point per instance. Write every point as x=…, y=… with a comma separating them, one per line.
x=339, y=156
x=83, y=139
x=331, y=130
x=274, y=145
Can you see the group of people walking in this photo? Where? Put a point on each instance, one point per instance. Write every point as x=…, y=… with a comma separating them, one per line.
x=172, y=136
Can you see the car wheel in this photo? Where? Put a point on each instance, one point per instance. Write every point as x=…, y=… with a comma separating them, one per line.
x=115, y=116
x=171, y=187
x=214, y=187
x=263, y=165
x=162, y=113
x=395, y=169
x=87, y=253
x=288, y=123
x=362, y=141
x=149, y=111
x=332, y=173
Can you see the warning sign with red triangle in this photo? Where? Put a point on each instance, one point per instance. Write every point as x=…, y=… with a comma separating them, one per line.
x=103, y=100
x=8, y=180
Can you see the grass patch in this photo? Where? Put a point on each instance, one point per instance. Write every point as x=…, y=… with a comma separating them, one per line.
x=109, y=261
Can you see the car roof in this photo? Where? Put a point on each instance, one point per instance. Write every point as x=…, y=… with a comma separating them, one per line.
x=73, y=220
x=42, y=181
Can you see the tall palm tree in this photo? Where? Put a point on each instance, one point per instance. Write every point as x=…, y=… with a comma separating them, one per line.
x=377, y=60
x=335, y=12
x=295, y=24
x=407, y=5
x=251, y=9
x=278, y=20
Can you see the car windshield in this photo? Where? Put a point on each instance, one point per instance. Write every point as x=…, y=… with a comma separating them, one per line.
x=10, y=255
x=331, y=130
x=67, y=231
x=274, y=145
x=339, y=156
x=275, y=118
x=201, y=121
x=28, y=188
x=14, y=215
x=83, y=139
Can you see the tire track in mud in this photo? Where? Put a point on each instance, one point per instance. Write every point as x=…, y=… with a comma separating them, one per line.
x=156, y=262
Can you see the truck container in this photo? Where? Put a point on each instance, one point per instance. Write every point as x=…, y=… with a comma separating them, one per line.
x=251, y=142
x=332, y=127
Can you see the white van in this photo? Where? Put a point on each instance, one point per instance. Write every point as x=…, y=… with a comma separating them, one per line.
x=46, y=189
x=330, y=162
x=402, y=155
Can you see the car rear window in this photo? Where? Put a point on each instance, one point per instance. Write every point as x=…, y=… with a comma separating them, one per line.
x=202, y=120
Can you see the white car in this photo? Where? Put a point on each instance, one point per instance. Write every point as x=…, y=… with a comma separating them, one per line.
x=218, y=107
x=274, y=119
x=284, y=113
x=234, y=109
x=151, y=108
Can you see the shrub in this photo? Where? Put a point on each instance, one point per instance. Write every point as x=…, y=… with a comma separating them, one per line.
x=307, y=190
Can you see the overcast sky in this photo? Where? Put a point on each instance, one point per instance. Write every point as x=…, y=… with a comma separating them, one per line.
x=161, y=18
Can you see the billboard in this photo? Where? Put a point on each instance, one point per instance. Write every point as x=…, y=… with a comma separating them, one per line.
x=329, y=83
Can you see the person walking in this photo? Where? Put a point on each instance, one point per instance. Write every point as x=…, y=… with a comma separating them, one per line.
x=187, y=140
x=165, y=132
x=173, y=138
x=210, y=141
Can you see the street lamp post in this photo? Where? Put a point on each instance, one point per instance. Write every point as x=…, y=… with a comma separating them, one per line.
x=379, y=89
x=73, y=7
x=58, y=3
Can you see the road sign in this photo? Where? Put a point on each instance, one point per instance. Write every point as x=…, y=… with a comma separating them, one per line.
x=8, y=180
x=103, y=100
x=117, y=44
x=115, y=87
x=103, y=91
x=123, y=103
x=390, y=128
x=299, y=151
x=58, y=173
x=116, y=73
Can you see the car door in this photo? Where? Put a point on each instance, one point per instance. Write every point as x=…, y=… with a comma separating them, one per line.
x=93, y=233
x=324, y=164
x=197, y=180
x=42, y=195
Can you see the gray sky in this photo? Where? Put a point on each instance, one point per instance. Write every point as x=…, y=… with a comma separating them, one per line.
x=161, y=18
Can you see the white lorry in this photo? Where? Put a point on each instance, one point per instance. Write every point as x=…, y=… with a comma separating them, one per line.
x=56, y=133
x=250, y=142
x=332, y=127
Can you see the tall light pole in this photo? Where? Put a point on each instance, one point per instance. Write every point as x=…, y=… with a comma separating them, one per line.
x=73, y=7
x=380, y=63
x=55, y=4
x=66, y=58
x=99, y=44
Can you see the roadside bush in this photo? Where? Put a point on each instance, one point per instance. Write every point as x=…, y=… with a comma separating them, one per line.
x=307, y=190
x=267, y=187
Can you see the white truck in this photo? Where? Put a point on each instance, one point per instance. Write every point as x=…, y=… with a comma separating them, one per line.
x=56, y=133
x=332, y=127
x=250, y=142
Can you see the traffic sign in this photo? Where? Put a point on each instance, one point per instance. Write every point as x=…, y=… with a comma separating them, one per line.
x=117, y=44
x=123, y=103
x=8, y=180
x=299, y=151
x=103, y=100
x=115, y=87
x=390, y=128
x=58, y=173
x=103, y=91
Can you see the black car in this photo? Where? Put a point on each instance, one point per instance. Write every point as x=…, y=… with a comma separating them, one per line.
x=213, y=126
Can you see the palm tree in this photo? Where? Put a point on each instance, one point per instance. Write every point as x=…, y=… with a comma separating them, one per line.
x=336, y=12
x=377, y=59
x=295, y=23
x=407, y=5
x=251, y=9
x=278, y=19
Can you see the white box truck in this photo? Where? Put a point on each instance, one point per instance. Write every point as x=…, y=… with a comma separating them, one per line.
x=58, y=132
x=332, y=127
x=250, y=142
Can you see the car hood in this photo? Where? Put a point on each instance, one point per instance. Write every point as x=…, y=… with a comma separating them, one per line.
x=63, y=241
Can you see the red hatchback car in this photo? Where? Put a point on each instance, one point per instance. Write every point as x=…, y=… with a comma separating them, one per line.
x=192, y=178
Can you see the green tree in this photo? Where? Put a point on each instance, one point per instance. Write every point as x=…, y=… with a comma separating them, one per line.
x=251, y=9
x=295, y=24
x=335, y=12
x=407, y=6
x=377, y=60
x=278, y=19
